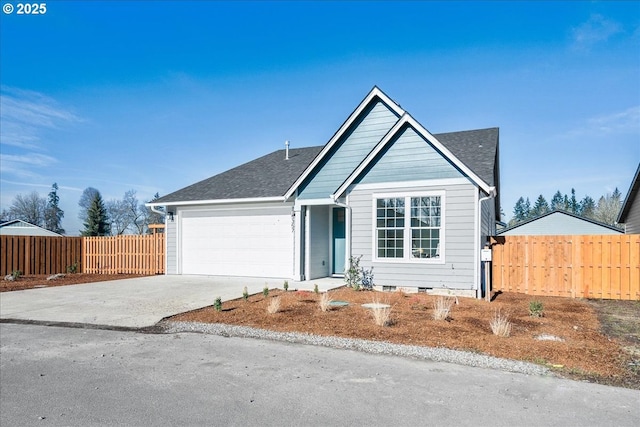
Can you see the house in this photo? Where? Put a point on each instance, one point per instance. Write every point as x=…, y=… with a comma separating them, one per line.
x=416, y=206
x=18, y=227
x=559, y=222
x=630, y=212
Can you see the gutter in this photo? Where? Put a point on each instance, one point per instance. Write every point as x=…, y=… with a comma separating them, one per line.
x=492, y=194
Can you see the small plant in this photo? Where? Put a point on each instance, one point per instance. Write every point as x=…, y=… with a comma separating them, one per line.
x=352, y=277
x=325, y=302
x=265, y=291
x=442, y=307
x=367, y=279
x=73, y=268
x=274, y=305
x=500, y=324
x=285, y=286
x=315, y=289
x=16, y=274
x=245, y=293
x=381, y=313
x=217, y=305
x=536, y=309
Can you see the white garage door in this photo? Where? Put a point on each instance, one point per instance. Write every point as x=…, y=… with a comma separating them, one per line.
x=238, y=242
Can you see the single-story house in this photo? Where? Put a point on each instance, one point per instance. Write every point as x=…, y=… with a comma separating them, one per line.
x=630, y=212
x=559, y=222
x=417, y=207
x=18, y=227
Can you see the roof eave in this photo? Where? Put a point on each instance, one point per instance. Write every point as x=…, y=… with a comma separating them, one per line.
x=218, y=201
x=631, y=195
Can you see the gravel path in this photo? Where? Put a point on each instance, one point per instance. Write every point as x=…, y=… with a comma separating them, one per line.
x=375, y=347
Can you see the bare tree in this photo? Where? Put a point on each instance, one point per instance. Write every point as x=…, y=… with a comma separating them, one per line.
x=88, y=195
x=125, y=215
x=608, y=208
x=30, y=208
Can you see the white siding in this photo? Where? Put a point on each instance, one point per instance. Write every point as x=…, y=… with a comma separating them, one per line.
x=172, y=245
x=458, y=270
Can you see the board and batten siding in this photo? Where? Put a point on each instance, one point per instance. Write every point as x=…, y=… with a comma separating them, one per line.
x=171, y=240
x=317, y=242
x=632, y=225
x=458, y=247
x=367, y=132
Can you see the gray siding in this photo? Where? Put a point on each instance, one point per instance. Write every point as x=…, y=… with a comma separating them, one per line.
x=171, y=236
x=409, y=148
x=458, y=270
x=487, y=218
x=558, y=223
x=632, y=226
x=350, y=152
x=318, y=242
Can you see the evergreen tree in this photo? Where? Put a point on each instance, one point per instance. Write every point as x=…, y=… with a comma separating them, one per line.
x=53, y=214
x=541, y=206
x=520, y=211
x=574, y=206
x=588, y=207
x=85, y=202
x=557, y=202
x=527, y=209
x=97, y=223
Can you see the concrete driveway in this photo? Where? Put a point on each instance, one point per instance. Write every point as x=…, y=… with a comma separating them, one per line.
x=133, y=303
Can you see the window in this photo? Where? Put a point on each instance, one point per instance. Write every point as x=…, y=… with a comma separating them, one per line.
x=415, y=233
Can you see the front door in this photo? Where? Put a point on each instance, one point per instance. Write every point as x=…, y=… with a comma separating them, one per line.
x=339, y=242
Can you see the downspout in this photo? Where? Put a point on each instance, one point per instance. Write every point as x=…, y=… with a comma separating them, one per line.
x=492, y=194
x=155, y=210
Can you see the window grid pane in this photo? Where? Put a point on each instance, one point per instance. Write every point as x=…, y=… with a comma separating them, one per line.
x=425, y=227
x=390, y=227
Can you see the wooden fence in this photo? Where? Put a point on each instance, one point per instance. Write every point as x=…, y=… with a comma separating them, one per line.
x=124, y=254
x=39, y=255
x=601, y=266
x=98, y=255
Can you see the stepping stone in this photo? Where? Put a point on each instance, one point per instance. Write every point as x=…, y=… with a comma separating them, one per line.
x=338, y=303
x=376, y=305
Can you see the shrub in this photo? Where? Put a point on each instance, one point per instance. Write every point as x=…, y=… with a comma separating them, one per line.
x=245, y=293
x=352, y=277
x=217, y=305
x=381, y=315
x=274, y=305
x=73, y=268
x=325, y=302
x=285, y=286
x=536, y=308
x=265, y=291
x=500, y=324
x=315, y=289
x=367, y=279
x=16, y=274
x=442, y=307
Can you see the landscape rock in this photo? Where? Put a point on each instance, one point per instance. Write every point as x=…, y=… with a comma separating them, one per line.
x=9, y=278
x=56, y=276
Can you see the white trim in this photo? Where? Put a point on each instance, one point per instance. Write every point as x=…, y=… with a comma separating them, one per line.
x=234, y=208
x=375, y=93
x=407, y=119
x=314, y=202
x=444, y=182
x=407, y=259
x=476, y=244
x=219, y=201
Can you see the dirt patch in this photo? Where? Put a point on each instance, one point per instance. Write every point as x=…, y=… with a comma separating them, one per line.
x=581, y=351
x=40, y=281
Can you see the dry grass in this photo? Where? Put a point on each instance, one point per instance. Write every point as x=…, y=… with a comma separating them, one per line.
x=274, y=305
x=500, y=324
x=442, y=307
x=325, y=302
x=381, y=315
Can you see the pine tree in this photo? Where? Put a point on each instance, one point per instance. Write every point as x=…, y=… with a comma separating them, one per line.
x=97, y=223
x=520, y=211
x=541, y=206
x=53, y=214
x=574, y=206
x=557, y=202
x=588, y=207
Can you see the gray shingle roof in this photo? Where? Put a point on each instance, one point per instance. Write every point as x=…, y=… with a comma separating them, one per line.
x=272, y=175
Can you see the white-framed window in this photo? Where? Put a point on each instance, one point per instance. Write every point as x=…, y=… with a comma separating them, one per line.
x=409, y=227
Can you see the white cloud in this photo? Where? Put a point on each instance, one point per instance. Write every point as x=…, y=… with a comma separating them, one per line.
x=617, y=123
x=595, y=30
x=21, y=165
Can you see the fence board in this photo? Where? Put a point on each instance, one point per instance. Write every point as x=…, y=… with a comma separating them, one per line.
x=131, y=254
x=39, y=254
x=600, y=266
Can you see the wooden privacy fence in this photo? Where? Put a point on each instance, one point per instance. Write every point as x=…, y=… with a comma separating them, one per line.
x=39, y=254
x=97, y=255
x=124, y=254
x=600, y=266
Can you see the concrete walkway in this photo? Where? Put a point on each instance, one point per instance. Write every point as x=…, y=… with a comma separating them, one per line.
x=134, y=303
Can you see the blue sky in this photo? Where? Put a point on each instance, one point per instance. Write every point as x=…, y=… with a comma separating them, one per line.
x=154, y=96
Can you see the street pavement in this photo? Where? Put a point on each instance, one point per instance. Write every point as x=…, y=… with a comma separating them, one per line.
x=82, y=377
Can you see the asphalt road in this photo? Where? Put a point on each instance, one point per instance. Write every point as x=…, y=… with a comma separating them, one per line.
x=68, y=376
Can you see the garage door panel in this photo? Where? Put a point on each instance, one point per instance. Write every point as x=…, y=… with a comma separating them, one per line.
x=238, y=243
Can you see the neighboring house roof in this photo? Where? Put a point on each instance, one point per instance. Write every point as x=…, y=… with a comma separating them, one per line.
x=475, y=152
x=559, y=222
x=18, y=227
x=632, y=196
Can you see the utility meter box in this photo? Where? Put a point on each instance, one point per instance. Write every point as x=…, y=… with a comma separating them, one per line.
x=485, y=255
